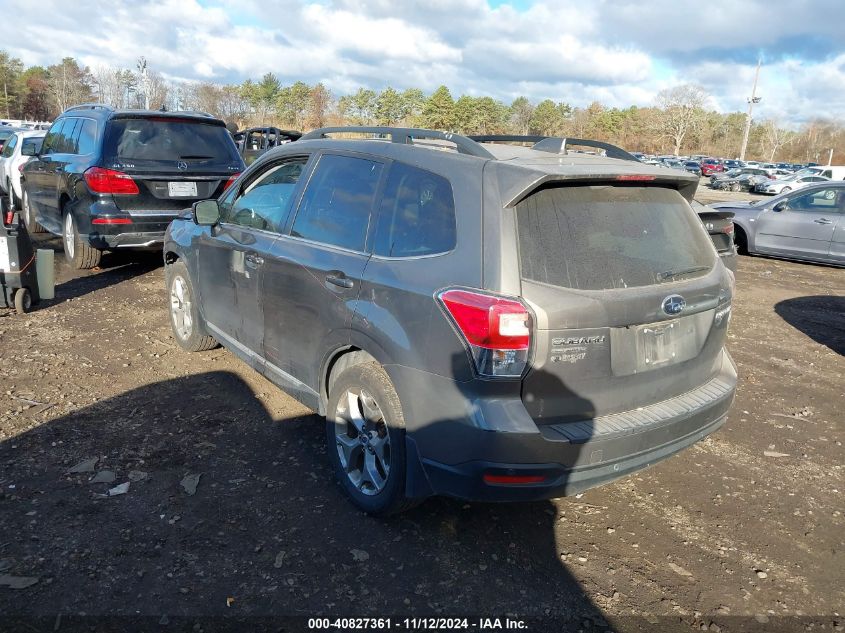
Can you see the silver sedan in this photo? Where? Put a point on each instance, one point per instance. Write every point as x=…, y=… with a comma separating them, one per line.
x=791, y=183
x=808, y=224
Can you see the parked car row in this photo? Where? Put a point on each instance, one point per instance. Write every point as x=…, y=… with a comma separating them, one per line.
x=20, y=147
x=707, y=166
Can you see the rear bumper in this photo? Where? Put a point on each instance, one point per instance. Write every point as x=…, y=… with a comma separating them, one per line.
x=564, y=459
x=466, y=481
x=146, y=239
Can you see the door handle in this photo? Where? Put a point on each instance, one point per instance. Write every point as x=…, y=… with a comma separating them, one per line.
x=339, y=280
x=254, y=260
x=823, y=221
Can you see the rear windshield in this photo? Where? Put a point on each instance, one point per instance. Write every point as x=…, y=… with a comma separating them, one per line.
x=601, y=237
x=163, y=139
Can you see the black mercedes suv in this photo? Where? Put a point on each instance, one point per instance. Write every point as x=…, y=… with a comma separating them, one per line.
x=108, y=179
x=486, y=320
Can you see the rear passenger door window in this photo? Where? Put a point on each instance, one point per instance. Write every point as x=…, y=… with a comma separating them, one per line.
x=52, y=137
x=9, y=147
x=338, y=200
x=417, y=215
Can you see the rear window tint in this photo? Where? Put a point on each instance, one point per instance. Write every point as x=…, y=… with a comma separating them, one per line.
x=417, y=214
x=169, y=140
x=602, y=237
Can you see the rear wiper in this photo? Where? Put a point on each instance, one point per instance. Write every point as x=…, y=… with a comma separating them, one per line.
x=683, y=271
x=194, y=156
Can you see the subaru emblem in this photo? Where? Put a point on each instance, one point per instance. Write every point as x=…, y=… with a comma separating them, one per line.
x=674, y=304
x=182, y=165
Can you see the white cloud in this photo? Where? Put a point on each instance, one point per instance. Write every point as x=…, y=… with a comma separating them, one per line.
x=619, y=52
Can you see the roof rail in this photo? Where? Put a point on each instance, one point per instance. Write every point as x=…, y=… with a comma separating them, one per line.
x=406, y=136
x=89, y=106
x=556, y=145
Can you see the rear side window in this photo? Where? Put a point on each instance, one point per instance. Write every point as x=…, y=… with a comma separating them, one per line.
x=86, y=137
x=34, y=143
x=168, y=140
x=602, y=237
x=417, y=214
x=336, y=206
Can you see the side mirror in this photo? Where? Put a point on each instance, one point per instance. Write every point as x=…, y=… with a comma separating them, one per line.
x=780, y=206
x=206, y=212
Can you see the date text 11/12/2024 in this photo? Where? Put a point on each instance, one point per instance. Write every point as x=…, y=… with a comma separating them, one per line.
x=416, y=624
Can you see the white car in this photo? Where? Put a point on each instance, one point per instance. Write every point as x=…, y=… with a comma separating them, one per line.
x=20, y=147
x=784, y=185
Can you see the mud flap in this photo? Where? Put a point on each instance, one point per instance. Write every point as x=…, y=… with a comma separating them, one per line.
x=417, y=485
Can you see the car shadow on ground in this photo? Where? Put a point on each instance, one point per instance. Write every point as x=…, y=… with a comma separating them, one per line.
x=821, y=317
x=266, y=532
x=115, y=267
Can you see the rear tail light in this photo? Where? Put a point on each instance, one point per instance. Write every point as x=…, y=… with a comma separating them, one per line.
x=101, y=180
x=497, y=330
x=231, y=181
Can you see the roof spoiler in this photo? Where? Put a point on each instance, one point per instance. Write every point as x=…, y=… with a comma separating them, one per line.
x=405, y=136
x=556, y=144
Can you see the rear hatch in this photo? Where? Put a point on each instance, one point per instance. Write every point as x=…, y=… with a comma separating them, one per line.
x=174, y=161
x=626, y=290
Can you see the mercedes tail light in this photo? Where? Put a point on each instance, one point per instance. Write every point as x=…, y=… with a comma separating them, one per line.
x=496, y=330
x=231, y=181
x=101, y=180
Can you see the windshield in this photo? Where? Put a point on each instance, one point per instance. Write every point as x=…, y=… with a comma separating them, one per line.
x=163, y=139
x=602, y=237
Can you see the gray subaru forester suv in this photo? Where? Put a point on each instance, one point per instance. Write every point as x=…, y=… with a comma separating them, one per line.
x=495, y=319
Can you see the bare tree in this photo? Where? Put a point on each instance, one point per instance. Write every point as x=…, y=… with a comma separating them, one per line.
x=682, y=112
x=776, y=137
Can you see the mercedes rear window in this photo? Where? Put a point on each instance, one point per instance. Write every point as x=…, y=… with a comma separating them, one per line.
x=603, y=237
x=168, y=139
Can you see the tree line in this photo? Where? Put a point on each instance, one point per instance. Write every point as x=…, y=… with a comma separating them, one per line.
x=679, y=122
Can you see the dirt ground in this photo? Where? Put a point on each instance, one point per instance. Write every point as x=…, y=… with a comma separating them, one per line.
x=745, y=528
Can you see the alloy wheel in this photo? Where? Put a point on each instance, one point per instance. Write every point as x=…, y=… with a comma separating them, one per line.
x=362, y=441
x=69, y=236
x=180, y=308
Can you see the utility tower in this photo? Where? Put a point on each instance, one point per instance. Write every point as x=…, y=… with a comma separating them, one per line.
x=751, y=101
x=142, y=68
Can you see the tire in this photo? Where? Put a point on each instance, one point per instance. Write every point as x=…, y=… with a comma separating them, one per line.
x=365, y=432
x=28, y=216
x=185, y=320
x=79, y=254
x=22, y=300
x=740, y=240
x=735, y=186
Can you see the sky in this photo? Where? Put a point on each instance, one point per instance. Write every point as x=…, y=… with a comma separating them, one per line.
x=617, y=52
